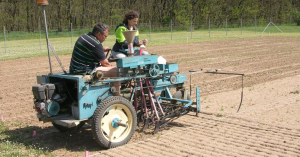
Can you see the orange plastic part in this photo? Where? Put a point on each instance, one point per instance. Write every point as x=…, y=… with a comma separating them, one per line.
x=42, y=2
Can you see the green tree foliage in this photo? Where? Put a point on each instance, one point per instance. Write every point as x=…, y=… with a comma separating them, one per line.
x=297, y=17
x=183, y=11
x=26, y=15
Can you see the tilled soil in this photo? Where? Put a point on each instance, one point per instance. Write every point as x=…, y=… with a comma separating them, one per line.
x=267, y=124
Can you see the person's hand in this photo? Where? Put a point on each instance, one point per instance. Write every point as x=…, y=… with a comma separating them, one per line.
x=106, y=49
x=145, y=42
x=141, y=42
x=105, y=63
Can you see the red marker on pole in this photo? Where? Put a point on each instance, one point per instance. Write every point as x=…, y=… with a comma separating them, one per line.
x=86, y=153
x=33, y=133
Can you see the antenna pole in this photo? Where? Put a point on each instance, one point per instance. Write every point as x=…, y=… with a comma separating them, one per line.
x=47, y=39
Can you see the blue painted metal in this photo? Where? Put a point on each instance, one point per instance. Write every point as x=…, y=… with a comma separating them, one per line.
x=134, y=62
x=89, y=102
x=132, y=95
x=89, y=95
x=198, y=99
x=53, y=108
x=114, y=122
x=166, y=83
x=169, y=67
x=187, y=102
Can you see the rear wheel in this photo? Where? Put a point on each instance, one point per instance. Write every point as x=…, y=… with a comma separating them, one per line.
x=180, y=95
x=114, y=122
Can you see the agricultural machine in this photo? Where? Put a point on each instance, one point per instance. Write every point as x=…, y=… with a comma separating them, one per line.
x=69, y=101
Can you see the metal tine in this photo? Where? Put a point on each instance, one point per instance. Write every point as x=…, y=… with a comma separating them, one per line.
x=143, y=99
x=153, y=107
x=152, y=90
x=135, y=100
x=146, y=124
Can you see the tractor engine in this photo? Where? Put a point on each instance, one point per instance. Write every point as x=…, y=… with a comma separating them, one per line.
x=47, y=98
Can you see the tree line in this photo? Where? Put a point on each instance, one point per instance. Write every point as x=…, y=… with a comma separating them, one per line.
x=26, y=15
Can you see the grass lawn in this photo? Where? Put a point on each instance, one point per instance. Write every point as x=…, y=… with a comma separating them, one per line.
x=29, y=45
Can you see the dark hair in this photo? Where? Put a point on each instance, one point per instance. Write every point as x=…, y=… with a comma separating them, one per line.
x=130, y=15
x=100, y=27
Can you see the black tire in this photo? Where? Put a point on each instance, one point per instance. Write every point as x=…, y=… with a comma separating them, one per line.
x=110, y=109
x=66, y=129
x=179, y=95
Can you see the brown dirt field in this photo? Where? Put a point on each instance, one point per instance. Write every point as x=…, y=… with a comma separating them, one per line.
x=267, y=124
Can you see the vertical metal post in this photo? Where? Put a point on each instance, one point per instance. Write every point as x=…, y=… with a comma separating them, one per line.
x=290, y=23
x=150, y=30
x=226, y=26
x=255, y=25
x=4, y=39
x=209, y=27
x=171, y=30
x=198, y=100
x=71, y=35
x=47, y=39
x=270, y=26
x=40, y=36
x=241, y=26
x=191, y=28
x=191, y=85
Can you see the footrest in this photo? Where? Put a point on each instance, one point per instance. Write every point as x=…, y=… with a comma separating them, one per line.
x=66, y=120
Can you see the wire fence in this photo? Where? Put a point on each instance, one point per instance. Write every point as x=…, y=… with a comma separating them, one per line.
x=21, y=44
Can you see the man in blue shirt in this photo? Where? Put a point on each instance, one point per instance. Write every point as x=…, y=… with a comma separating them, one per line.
x=88, y=53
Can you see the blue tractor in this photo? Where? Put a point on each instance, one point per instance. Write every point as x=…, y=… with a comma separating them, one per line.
x=69, y=101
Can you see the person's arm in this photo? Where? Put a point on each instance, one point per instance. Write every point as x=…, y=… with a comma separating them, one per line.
x=106, y=49
x=98, y=53
x=105, y=63
x=136, y=41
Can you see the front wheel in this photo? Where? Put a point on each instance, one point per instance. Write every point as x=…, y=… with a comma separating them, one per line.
x=114, y=122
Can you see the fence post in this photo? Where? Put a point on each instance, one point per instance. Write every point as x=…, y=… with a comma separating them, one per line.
x=290, y=23
x=191, y=28
x=150, y=30
x=209, y=26
x=4, y=39
x=241, y=26
x=71, y=35
x=255, y=25
x=40, y=36
x=226, y=26
x=270, y=26
x=171, y=30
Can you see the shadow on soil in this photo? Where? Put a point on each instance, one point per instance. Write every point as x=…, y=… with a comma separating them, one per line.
x=51, y=139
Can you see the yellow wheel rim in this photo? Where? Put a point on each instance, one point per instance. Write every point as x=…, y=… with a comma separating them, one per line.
x=116, y=111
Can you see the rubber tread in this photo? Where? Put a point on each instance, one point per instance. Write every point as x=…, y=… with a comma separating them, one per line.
x=96, y=120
